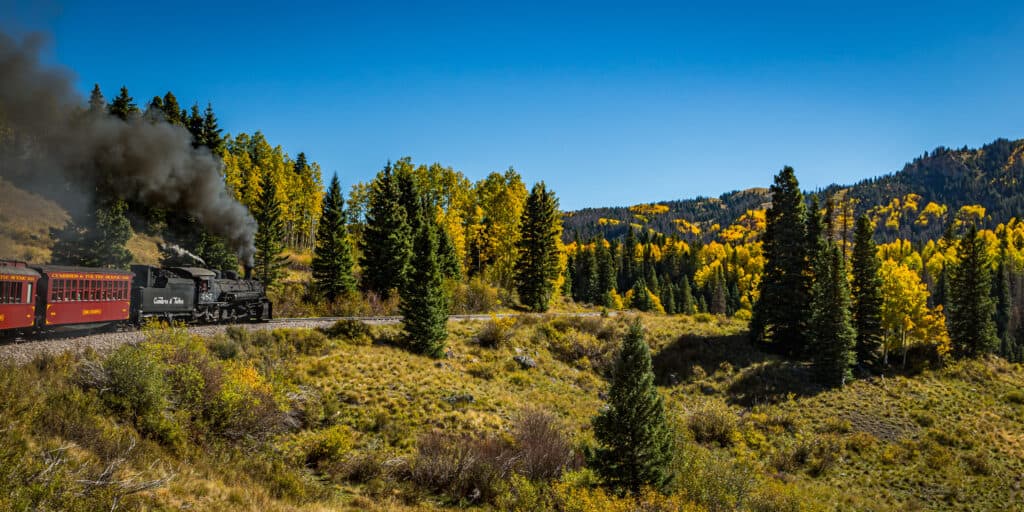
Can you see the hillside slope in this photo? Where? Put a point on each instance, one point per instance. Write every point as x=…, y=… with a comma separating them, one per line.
x=296, y=420
x=991, y=176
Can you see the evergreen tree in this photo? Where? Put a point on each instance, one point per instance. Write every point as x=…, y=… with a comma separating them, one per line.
x=210, y=135
x=269, y=261
x=636, y=444
x=424, y=307
x=447, y=256
x=833, y=337
x=605, y=274
x=97, y=103
x=867, y=295
x=332, y=255
x=536, y=269
x=386, y=242
x=641, y=300
x=194, y=123
x=972, y=330
x=627, y=269
x=781, y=315
x=172, y=110
x=685, y=301
x=1003, y=304
x=96, y=240
x=123, y=105
x=585, y=276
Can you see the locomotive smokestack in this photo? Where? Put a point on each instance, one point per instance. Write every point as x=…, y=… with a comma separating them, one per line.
x=248, y=271
x=52, y=144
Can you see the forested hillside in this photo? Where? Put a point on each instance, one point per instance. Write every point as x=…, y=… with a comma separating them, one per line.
x=916, y=203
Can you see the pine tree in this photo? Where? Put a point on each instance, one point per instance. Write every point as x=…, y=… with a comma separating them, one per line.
x=194, y=123
x=636, y=445
x=332, y=255
x=536, y=269
x=781, y=315
x=585, y=276
x=1004, y=305
x=172, y=110
x=641, y=300
x=627, y=269
x=447, y=256
x=686, y=304
x=867, y=295
x=972, y=329
x=123, y=105
x=605, y=274
x=269, y=261
x=96, y=240
x=97, y=103
x=211, y=133
x=833, y=337
x=423, y=304
x=386, y=243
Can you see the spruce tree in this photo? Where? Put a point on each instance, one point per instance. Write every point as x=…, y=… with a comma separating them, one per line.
x=172, y=110
x=833, y=336
x=123, y=105
x=423, y=304
x=585, y=276
x=97, y=103
x=635, y=442
x=783, y=311
x=96, y=240
x=627, y=269
x=685, y=301
x=210, y=135
x=605, y=273
x=536, y=269
x=1003, y=304
x=332, y=255
x=447, y=256
x=641, y=300
x=867, y=295
x=194, y=123
x=972, y=329
x=386, y=242
x=269, y=261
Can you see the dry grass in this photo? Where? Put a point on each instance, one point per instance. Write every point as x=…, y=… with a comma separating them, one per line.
x=25, y=223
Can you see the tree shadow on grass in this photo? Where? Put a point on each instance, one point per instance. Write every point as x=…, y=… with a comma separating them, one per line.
x=754, y=376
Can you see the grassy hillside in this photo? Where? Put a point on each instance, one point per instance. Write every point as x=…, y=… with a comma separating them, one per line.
x=302, y=420
x=26, y=220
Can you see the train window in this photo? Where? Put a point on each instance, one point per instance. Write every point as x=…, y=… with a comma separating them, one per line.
x=59, y=290
x=28, y=293
x=4, y=285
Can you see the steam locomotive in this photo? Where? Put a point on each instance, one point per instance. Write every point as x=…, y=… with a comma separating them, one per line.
x=36, y=298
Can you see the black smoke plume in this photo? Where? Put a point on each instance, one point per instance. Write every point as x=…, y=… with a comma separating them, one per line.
x=50, y=139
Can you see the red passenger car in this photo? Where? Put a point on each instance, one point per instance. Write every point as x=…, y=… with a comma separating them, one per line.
x=76, y=295
x=18, y=285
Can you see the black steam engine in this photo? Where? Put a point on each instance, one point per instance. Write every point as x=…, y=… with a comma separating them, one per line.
x=196, y=295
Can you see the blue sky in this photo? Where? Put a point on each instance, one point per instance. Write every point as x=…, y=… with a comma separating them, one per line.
x=609, y=103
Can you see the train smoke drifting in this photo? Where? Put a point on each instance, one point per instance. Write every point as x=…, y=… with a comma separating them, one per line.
x=48, y=138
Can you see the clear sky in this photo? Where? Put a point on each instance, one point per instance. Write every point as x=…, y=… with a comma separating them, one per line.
x=610, y=103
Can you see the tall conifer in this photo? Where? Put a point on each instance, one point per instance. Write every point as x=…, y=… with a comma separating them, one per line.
x=423, y=304
x=332, y=254
x=972, y=329
x=781, y=315
x=635, y=442
x=386, y=242
x=269, y=261
x=867, y=295
x=536, y=269
x=833, y=338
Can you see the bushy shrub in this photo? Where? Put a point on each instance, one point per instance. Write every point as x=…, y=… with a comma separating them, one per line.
x=579, y=348
x=713, y=422
x=350, y=331
x=243, y=405
x=543, y=450
x=473, y=297
x=496, y=332
x=465, y=468
x=323, y=448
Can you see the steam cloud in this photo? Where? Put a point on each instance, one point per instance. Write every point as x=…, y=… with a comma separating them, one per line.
x=49, y=139
x=180, y=251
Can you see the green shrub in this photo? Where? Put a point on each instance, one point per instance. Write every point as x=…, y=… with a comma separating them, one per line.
x=1015, y=397
x=713, y=422
x=353, y=332
x=225, y=347
x=496, y=332
x=324, y=448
